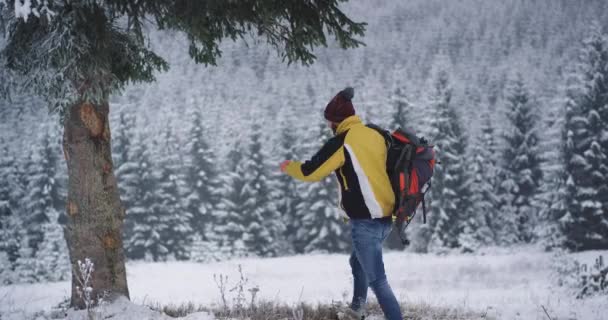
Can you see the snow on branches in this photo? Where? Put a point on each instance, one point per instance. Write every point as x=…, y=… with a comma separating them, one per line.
x=23, y=9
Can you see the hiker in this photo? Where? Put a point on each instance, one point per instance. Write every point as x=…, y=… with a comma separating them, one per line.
x=357, y=154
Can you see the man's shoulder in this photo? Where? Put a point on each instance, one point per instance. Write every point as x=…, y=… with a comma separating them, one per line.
x=336, y=141
x=366, y=130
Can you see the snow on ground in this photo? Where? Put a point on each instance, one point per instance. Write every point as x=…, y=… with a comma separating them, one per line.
x=125, y=309
x=507, y=284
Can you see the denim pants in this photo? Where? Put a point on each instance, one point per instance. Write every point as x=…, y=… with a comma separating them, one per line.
x=368, y=267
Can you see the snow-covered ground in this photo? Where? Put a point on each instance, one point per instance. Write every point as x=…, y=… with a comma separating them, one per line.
x=507, y=284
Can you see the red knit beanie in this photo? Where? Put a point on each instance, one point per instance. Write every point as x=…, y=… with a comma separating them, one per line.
x=340, y=107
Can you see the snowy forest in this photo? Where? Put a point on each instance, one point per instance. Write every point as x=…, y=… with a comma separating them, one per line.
x=514, y=94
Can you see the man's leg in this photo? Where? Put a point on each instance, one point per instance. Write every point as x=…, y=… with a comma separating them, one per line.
x=368, y=236
x=360, y=284
x=386, y=299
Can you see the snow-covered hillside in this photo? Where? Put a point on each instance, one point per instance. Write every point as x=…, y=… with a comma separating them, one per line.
x=506, y=284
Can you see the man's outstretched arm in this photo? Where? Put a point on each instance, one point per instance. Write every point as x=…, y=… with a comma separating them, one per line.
x=322, y=164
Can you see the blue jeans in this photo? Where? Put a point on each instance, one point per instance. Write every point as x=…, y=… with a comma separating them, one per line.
x=368, y=267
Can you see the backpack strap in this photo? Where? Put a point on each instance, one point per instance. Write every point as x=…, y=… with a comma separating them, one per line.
x=400, y=224
x=424, y=202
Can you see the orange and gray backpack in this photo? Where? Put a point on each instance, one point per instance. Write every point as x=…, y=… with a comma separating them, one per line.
x=410, y=165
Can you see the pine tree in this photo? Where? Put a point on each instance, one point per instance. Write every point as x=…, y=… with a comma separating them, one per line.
x=42, y=192
x=585, y=223
x=141, y=238
x=321, y=226
x=231, y=220
x=552, y=192
x=11, y=192
x=5, y=270
x=235, y=156
x=11, y=234
x=264, y=227
x=41, y=206
x=52, y=261
x=173, y=226
x=521, y=172
x=285, y=195
x=450, y=193
x=481, y=225
x=402, y=111
x=121, y=145
x=208, y=249
x=40, y=46
x=202, y=183
x=25, y=270
x=121, y=140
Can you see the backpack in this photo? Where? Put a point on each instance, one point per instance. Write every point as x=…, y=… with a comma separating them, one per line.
x=410, y=164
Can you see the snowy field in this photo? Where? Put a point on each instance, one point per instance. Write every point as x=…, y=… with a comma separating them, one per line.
x=513, y=284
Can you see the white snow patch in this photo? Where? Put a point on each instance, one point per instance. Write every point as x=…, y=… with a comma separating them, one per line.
x=23, y=10
x=507, y=284
x=122, y=308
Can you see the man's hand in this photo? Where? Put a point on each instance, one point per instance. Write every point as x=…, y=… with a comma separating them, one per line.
x=284, y=165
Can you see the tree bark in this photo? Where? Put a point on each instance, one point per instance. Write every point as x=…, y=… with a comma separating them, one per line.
x=95, y=212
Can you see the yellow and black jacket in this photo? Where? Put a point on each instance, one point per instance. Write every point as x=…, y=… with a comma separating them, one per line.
x=357, y=155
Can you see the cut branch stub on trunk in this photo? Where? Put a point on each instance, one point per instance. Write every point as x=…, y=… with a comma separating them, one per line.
x=91, y=119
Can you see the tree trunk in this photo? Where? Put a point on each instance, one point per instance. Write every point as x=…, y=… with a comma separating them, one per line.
x=95, y=212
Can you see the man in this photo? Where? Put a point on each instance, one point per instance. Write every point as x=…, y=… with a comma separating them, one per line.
x=357, y=155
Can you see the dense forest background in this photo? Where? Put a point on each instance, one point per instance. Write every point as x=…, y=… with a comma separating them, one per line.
x=513, y=93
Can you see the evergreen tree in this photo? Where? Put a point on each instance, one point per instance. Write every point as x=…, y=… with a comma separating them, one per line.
x=51, y=261
x=451, y=197
x=521, y=172
x=264, y=229
x=481, y=225
x=322, y=228
x=552, y=192
x=5, y=270
x=25, y=269
x=11, y=192
x=41, y=37
x=173, y=226
x=284, y=192
x=121, y=140
x=11, y=235
x=231, y=220
x=121, y=145
x=142, y=239
x=585, y=223
x=42, y=191
x=202, y=183
x=402, y=111
x=207, y=249
x=41, y=205
x=235, y=156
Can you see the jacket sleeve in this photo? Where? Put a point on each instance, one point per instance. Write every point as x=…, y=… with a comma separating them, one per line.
x=322, y=164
